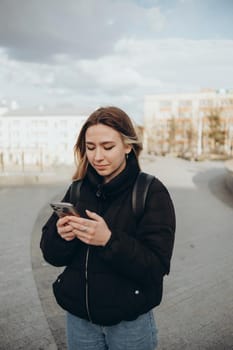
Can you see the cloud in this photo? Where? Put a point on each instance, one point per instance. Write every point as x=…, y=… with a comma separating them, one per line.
x=156, y=20
x=37, y=31
x=91, y=53
x=133, y=69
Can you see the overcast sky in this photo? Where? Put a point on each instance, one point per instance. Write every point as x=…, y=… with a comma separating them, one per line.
x=89, y=53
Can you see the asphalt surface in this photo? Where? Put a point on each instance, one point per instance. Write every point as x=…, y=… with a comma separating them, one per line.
x=197, y=307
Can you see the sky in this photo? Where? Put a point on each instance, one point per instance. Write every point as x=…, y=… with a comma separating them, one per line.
x=89, y=53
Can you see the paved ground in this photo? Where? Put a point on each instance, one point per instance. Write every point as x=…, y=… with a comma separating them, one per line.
x=197, y=309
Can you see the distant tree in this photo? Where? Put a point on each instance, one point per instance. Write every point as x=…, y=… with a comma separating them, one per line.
x=2, y=161
x=216, y=130
x=150, y=136
x=172, y=131
x=191, y=137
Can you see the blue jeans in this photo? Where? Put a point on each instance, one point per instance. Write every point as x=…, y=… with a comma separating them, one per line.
x=140, y=334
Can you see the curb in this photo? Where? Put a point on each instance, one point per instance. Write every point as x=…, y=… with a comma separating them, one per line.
x=44, y=275
x=229, y=175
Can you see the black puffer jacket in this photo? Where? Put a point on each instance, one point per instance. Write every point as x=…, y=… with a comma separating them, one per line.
x=123, y=279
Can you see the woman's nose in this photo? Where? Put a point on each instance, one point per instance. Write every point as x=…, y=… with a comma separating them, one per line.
x=98, y=154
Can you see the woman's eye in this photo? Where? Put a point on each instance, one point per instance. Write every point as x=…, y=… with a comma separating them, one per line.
x=106, y=148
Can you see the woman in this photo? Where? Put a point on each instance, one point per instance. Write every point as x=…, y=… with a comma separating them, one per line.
x=114, y=264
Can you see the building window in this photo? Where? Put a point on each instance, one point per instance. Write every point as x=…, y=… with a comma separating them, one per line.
x=165, y=103
x=206, y=103
x=185, y=103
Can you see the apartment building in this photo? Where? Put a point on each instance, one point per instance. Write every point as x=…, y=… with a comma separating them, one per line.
x=37, y=137
x=180, y=123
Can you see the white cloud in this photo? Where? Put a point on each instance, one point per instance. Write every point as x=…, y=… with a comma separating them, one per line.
x=135, y=68
x=38, y=31
x=156, y=19
x=185, y=1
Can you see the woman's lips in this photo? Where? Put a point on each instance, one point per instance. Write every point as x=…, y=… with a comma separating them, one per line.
x=100, y=167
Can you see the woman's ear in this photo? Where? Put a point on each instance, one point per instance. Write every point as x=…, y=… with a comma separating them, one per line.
x=128, y=149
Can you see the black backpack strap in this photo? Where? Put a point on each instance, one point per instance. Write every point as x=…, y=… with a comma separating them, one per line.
x=139, y=194
x=75, y=191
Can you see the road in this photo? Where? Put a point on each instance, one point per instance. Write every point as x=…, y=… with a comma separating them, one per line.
x=197, y=308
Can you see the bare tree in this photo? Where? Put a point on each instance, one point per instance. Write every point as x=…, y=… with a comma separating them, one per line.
x=216, y=131
x=172, y=131
x=191, y=135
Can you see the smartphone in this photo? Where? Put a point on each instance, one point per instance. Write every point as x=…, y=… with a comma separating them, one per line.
x=64, y=208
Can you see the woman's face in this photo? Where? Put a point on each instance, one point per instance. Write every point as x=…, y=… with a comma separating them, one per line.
x=106, y=151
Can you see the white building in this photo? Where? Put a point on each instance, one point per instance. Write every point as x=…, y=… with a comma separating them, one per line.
x=38, y=137
x=187, y=105
x=187, y=110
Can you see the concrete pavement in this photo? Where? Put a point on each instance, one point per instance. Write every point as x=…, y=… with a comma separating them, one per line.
x=229, y=175
x=23, y=324
x=197, y=308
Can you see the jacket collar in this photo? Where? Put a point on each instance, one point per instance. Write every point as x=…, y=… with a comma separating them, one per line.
x=119, y=183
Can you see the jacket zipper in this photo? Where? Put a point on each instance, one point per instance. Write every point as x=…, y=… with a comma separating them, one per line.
x=86, y=277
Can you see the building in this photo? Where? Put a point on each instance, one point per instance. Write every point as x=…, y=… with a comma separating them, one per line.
x=37, y=138
x=183, y=123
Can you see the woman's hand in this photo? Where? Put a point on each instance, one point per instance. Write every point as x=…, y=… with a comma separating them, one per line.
x=92, y=231
x=64, y=229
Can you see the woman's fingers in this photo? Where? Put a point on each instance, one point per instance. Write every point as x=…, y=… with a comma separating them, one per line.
x=93, y=215
x=64, y=229
x=81, y=225
x=68, y=236
x=92, y=231
x=62, y=221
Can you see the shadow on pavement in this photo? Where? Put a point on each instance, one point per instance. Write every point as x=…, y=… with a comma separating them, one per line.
x=215, y=180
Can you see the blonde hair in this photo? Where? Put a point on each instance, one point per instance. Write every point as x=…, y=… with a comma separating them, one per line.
x=113, y=117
